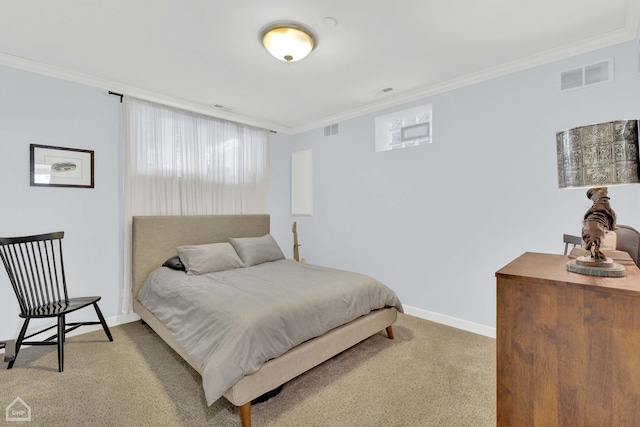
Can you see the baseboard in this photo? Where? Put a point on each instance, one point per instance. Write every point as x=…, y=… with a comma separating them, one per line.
x=454, y=322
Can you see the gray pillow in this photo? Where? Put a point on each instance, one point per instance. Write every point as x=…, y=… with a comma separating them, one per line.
x=256, y=250
x=201, y=259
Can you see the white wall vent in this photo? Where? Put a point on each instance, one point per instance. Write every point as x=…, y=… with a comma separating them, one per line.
x=331, y=130
x=588, y=75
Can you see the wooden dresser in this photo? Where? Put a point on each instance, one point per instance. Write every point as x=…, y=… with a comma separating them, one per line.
x=568, y=345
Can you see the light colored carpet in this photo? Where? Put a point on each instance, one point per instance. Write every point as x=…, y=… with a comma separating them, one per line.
x=430, y=375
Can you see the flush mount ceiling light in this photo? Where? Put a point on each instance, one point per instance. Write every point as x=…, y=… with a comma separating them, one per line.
x=288, y=43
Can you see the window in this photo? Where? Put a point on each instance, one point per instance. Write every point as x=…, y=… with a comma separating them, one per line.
x=407, y=128
x=182, y=163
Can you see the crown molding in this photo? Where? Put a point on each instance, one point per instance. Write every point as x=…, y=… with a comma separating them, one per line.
x=613, y=38
x=629, y=32
x=108, y=85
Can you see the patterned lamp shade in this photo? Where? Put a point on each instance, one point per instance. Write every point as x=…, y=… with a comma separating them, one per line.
x=598, y=155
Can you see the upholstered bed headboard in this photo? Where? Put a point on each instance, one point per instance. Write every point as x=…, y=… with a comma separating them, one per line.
x=155, y=237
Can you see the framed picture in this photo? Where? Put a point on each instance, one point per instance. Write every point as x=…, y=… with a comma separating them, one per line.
x=61, y=167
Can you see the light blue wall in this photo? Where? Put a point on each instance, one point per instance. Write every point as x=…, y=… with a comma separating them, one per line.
x=433, y=222
x=42, y=110
x=436, y=222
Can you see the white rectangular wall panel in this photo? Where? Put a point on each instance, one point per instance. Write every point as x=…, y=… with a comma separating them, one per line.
x=302, y=183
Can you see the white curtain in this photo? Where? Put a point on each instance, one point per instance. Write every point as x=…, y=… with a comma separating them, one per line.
x=182, y=163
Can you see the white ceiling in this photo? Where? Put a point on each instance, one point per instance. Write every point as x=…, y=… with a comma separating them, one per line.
x=195, y=54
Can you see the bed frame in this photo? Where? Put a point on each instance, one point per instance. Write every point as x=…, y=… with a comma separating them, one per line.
x=154, y=241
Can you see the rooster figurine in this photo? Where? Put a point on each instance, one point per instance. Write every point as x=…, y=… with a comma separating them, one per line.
x=599, y=219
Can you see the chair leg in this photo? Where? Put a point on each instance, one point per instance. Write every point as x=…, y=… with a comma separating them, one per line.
x=61, y=338
x=23, y=331
x=104, y=324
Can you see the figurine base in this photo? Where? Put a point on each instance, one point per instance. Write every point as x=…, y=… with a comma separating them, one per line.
x=589, y=261
x=592, y=267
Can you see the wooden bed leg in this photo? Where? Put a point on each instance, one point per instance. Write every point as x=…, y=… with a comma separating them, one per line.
x=390, y=332
x=245, y=414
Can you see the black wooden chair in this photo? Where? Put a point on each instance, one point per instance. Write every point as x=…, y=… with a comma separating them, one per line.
x=36, y=272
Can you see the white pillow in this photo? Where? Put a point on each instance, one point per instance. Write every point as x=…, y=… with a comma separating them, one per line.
x=201, y=259
x=256, y=250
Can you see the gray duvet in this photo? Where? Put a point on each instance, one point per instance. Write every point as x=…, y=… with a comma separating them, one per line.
x=232, y=322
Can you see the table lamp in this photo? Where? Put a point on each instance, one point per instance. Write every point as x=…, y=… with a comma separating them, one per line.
x=596, y=156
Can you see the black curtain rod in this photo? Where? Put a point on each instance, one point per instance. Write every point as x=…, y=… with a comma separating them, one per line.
x=117, y=94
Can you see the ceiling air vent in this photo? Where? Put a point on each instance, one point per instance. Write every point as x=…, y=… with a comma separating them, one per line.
x=588, y=75
x=331, y=130
x=382, y=91
x=222, y=107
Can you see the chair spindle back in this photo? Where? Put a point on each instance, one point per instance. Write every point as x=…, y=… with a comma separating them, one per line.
x=36, y=270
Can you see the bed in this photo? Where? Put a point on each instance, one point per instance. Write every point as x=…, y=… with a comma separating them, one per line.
x=155, y=239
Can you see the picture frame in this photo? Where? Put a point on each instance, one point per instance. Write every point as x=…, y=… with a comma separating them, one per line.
x=61, y=167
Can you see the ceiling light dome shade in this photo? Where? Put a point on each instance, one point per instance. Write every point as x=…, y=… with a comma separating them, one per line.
x=288, y=43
